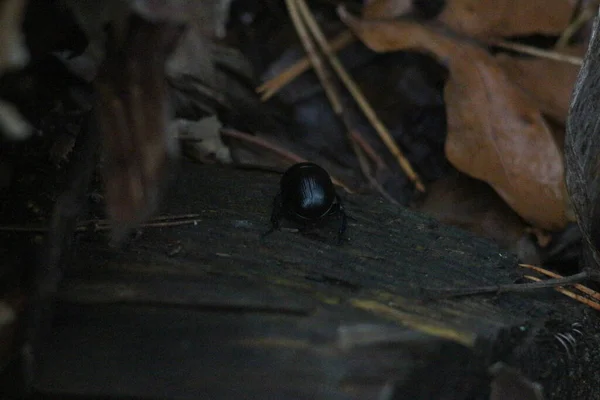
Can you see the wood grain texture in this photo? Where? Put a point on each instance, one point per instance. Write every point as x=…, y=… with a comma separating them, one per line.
x=213, y=311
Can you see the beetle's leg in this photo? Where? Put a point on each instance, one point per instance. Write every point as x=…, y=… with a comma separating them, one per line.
x=276, y=214
x=343, y=222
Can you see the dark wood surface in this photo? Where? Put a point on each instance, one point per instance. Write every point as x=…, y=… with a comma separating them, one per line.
x=212, y=311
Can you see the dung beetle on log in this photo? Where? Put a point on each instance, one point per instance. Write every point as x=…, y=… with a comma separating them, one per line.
x=307, y=196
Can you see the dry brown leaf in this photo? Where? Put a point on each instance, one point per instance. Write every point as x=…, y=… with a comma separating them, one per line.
x=386, y=8
x=495, y=131
x=495, y=18
x=548, y=82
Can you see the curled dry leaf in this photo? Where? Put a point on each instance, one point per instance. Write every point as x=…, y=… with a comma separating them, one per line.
x=495, y=131
x=548, y=82
x=489, y=18
x=386, y=8
x=496, y=18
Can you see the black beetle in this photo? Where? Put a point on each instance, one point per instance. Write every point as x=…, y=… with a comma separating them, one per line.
x=307, y=196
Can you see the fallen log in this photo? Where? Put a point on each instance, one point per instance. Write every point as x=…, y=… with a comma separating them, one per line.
x=210, y=309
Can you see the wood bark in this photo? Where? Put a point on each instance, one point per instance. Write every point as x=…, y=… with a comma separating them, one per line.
x=212, y=310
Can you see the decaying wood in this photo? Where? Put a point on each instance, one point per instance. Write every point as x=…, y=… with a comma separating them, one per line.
x=211, y=310
x=582, y=152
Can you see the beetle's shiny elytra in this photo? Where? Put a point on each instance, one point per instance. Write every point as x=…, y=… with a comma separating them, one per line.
x=307, y=192
x=307, y=196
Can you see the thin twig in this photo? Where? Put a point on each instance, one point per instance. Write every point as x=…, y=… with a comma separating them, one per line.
x=358, y=96
x=369, y=150
x=315, y=60
x=583, y=17
x=338, y=108
x=582, y=288
x=360, y=155
x=516, y=287
x=359, y=145
x=23, y=228
x=535, y=51
x=575, y=296
x=275, y=149
x=257, y=140
x=155, y=219
x=159, y=222
x=274, y=85
x=169, y=223
x=105, y=224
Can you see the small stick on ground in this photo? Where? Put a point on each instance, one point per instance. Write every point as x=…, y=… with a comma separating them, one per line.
x=105, y=224
x=575, y=296
x=275, y=149
x=445, y=293
x=592, y=293
x=274, y=85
